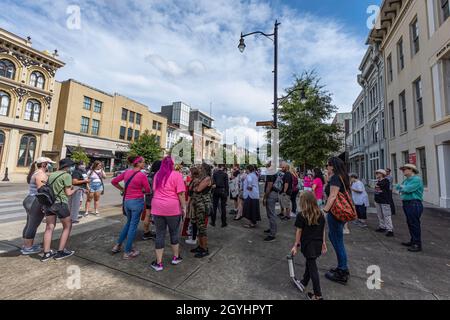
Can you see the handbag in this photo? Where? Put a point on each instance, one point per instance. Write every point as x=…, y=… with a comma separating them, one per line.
x=125, y=192
x=343, y=208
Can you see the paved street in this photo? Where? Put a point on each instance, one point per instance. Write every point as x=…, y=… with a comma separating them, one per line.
x=241, y=266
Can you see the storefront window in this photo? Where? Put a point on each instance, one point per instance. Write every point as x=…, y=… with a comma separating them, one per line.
x=26, y=150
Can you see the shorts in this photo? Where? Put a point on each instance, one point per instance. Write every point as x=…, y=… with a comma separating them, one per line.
x=59, y=209
x=285, y=201
x=96, y=187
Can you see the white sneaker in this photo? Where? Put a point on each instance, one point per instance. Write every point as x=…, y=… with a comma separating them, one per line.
x=191, y=242
x=346, y=231
x=293, y=215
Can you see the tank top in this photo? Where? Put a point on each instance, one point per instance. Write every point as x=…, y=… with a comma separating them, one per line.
x=33, y=190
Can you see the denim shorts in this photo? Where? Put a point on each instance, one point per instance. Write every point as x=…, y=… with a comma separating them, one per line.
x=96, y=187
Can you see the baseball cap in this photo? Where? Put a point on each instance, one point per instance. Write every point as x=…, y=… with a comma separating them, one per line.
x=44, y=160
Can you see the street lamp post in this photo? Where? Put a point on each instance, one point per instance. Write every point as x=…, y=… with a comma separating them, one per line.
x=274, y=37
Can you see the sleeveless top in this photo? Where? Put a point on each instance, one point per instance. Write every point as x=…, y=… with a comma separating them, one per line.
x=33, y=190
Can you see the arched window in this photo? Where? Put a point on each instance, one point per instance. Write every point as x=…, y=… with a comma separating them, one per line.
x=5, y=101
x=26, y=150
x=33, y=110
x=37, y=80
x=7, y=69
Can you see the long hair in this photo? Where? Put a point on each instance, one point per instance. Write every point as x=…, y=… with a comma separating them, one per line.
x=293, y=171
x=33, y=168
x=167, y=166
x=205, y=170
x=340, y=170
x=310, y=209
x=155, y=166
x=95, y=165
x=318, y=174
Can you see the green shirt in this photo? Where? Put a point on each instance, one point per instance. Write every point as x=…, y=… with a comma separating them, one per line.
x=411, y=189
x=59, y=185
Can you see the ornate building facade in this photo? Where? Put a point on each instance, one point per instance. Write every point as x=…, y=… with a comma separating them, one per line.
x=27, y=111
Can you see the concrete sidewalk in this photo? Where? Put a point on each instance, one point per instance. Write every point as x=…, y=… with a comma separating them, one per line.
x=241, y=266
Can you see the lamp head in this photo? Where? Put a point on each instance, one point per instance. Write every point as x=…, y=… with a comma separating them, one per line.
x=241, y=45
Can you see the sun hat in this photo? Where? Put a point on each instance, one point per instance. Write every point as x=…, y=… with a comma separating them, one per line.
x=44, y=160
x=410, y=166
x=382, y=171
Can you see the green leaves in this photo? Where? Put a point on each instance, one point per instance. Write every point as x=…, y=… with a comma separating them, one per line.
x=78, y=155
x=147, y=146
x=305, y=136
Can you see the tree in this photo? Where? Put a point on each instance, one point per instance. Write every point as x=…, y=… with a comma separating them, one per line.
x=79, y=155
x=146, y=146
x=305, y=137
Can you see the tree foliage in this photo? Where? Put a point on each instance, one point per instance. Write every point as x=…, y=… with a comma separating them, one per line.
x=146, y=146
x=79, y=155
x=305, y=136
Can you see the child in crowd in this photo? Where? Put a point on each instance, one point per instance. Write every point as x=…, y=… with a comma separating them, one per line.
x=310, y=237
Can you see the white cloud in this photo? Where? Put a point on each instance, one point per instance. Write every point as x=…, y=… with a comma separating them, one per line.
x=163, y=51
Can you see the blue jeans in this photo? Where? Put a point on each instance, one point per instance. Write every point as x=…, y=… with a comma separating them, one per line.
x=413, y=211
x=133, y=209
x=336, y=235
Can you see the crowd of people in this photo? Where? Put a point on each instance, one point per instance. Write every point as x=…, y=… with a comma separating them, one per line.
x=167, y=197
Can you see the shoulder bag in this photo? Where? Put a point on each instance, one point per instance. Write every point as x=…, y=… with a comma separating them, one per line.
x=343, y=208
x=125, y=192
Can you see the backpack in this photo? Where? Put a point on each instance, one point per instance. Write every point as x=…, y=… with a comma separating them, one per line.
x=278, y=184
x=45, y=194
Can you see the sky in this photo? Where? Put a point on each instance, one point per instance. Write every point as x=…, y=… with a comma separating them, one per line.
x=161, y=51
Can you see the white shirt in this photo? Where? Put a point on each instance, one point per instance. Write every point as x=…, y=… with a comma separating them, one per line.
x=362, y=198
x=251, y=181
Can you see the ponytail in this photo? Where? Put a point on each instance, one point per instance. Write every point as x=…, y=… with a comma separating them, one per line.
x=33, y=169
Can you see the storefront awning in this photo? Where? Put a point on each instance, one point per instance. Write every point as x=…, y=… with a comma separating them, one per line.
x=94, y=153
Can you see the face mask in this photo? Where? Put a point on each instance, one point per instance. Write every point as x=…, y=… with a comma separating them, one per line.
x=49, y=167
x=82, y=167
x=72, y=169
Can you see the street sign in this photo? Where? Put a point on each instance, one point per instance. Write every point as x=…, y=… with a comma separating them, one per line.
x=265, y=124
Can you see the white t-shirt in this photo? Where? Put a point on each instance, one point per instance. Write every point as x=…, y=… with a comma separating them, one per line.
x=362, y=198
x=94, y=176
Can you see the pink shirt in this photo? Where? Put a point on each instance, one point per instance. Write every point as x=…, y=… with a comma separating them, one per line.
x=307, y=182
x=165, y=200
x=137, y=187
x=319, y=188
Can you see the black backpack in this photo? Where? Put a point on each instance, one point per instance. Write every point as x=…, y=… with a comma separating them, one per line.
x=45, y=194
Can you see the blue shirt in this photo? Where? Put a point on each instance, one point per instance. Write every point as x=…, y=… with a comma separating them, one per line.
x=411, y=188
x=251, y=181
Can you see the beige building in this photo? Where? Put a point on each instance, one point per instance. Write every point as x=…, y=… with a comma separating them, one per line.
x=27, y=108
x=415, y=40
x=103, y=124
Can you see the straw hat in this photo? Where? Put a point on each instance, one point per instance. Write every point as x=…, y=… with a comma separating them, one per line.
x=410, y=166
x=382, y=171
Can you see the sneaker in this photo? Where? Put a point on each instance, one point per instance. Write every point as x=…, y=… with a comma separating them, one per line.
x=389, y=234
x=80, y=216
x=198, y=249
x=176, y=260
x=32, y=250
x=48, y=255
x=202, y=253
x=311, y=296
x=415, y=248
x=346, y=231
x=191, y=241
x=157, y=266
x=269, y=239
x=380, y=230
x=148, y=235
x=340, y=276
x=267, y=231
x=76, y=222
x=133, y=254
x=334, y=270
x=96, y=213
x=293, y=215
x=299, y=284
x=407, y=244
x=86, y=214
x=60, y=255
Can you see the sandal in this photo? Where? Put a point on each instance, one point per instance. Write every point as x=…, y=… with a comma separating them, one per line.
x=117, y=249
x=133, y=254
x=312, y=296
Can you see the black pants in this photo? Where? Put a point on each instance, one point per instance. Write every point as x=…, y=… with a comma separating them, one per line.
x=391, y=202
x=219, y=195
x=294, y=200
x=312, y=273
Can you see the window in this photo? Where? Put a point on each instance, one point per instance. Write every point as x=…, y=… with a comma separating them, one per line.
x=158, y=139
x=130, y=134
x=415, y=36
x=32, y=110
x=84, y=125
x=98, y=106
x=363, y=136
x=375, y=132
x=7, y=69
x=400, y=54
x=403, y=115
x=132, y=116
x=383, y=132
x=392, y=119
x=124, y=114
x=157, y=125
x=27, y=149
x=423, y=165
x=374, y=161
x=138, y=118
x=405, y=156
x=446, y=67
x=390, y=69
x=5, y=101
x=445, y=10
x=394, y=167
x=136, y=135
x=37, y=80
x=122, y=133
x=95, y=127
x=417, y=89
x=87, y=103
